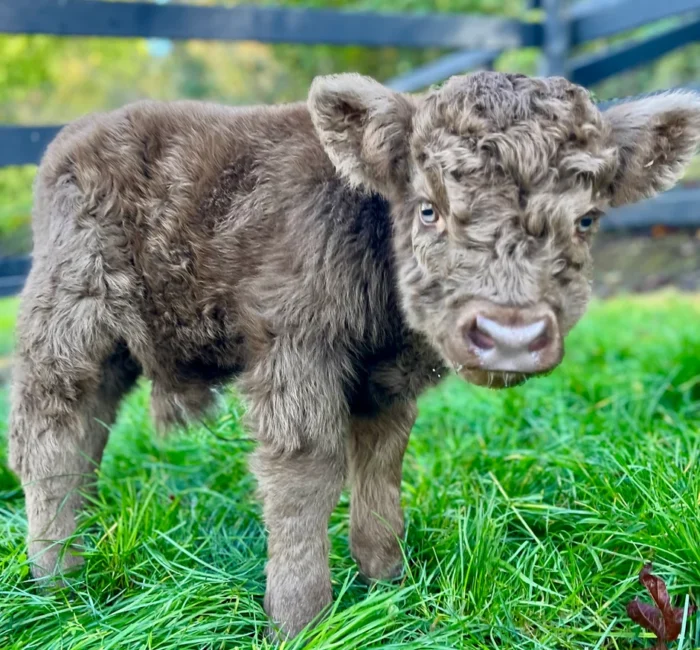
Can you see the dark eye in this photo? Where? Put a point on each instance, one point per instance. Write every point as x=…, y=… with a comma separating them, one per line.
x=585, y=223
x=427, y=214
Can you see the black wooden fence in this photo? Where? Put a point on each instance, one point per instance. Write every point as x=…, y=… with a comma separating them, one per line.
x=477, y=40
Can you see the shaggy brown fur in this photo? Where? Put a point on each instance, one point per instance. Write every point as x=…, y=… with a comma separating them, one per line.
x=284, y=246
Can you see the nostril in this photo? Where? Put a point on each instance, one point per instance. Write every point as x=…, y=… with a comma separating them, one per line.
x=540, y=343
x=479, y=338
x=545, y=338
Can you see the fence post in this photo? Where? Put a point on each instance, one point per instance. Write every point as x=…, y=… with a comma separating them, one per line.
x=557, y=38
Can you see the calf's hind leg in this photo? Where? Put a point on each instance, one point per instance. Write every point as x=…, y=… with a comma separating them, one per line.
x=68, y=380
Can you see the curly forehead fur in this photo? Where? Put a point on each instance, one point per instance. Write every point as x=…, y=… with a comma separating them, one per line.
x=513, y=132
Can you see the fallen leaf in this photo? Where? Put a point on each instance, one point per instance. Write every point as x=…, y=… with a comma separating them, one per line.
x=662, y=618
x=648, y=616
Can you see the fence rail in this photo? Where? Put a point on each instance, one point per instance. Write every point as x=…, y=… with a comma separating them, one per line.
x=443, y=68
x=264, y=24
x=592, y=69
x=478, y=41
x=13, y=274
x=24, y=145
x=595, y=20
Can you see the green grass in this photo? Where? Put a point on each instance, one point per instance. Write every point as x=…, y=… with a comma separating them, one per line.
x=530, y=513
x=8, y=315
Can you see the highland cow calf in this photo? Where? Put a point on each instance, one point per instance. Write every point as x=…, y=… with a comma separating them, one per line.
x=336, y=257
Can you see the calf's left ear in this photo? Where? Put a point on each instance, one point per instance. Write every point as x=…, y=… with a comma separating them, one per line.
x=655, y=138
x=364, y=128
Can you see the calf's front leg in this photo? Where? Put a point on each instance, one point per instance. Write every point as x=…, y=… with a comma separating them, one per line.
x=300, y=416
x=376, y=448
x=299, y=490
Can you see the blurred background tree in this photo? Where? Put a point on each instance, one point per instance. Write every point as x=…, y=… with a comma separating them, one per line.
x=52, y=80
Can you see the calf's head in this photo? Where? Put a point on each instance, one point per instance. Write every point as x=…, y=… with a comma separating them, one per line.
x=497, y=183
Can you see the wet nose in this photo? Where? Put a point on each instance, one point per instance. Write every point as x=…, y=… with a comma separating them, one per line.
x=511, y=340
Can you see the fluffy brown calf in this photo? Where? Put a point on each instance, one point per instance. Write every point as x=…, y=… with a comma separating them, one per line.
x=335, y=257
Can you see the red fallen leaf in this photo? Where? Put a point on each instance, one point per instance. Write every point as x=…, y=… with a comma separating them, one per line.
x=663, y=619
x=650, y=618
x=657, y=590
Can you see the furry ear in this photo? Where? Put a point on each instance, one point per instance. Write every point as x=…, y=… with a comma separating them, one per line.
x=656, y=138
x=364, y=128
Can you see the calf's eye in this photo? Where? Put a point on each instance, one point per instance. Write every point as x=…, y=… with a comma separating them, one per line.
x=585, y=223
x=428, y=215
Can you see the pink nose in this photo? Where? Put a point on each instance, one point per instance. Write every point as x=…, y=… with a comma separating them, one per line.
x=511, y=340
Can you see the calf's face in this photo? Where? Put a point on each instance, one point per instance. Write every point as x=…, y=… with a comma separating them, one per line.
x=497, y=184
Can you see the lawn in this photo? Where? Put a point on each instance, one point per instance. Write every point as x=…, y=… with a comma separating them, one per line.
x=530, y=513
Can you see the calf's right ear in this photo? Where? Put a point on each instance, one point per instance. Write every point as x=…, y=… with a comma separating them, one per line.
x=364, y=128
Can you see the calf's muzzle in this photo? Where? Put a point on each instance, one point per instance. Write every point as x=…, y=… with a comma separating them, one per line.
x=497, y=338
